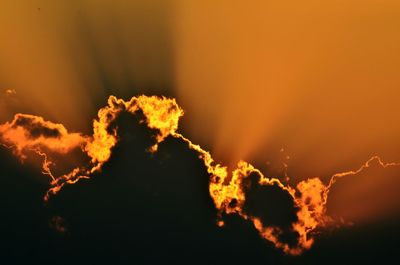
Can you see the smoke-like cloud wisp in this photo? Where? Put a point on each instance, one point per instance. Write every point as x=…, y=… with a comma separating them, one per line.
x=228, y=189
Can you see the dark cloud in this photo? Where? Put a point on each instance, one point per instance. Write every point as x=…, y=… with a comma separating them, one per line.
x=148, y=208
x=36, y=128
x=274, y=206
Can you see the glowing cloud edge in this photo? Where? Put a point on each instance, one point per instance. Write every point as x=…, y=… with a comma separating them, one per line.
x=162, y=114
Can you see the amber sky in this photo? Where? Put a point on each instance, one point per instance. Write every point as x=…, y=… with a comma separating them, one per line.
x=318, y=78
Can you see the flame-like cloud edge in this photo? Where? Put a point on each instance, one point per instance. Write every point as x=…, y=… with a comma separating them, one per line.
x=162, y=114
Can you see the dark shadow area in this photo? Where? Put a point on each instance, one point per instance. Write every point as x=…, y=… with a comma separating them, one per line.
x=274, y=206
x=376, y=243
x=146, y=208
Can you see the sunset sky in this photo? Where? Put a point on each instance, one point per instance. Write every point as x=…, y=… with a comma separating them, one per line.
x=298, y=89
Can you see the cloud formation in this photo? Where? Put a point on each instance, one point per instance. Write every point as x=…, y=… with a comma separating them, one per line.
x=28, y=132
x=228, y=189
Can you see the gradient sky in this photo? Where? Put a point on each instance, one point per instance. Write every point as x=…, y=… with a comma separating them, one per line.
x=311, y=77
x=308, y=85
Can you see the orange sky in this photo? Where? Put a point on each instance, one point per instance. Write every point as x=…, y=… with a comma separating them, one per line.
x=64, y=58
x=319, y=78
